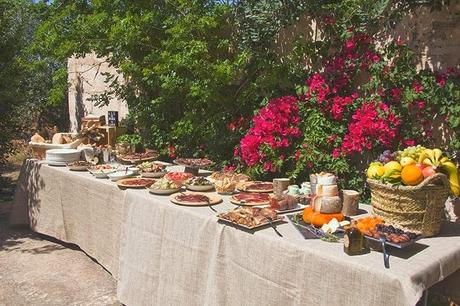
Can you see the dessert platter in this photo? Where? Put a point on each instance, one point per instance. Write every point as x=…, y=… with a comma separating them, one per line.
x=250, y=217
x=199, y=183
x=255, y=186
x=164, y=186
x=250, y=199
x=152, y=170
x=135, y=182
x=195, y=199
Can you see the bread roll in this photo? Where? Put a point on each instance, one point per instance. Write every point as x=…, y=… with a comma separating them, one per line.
x=37, y=138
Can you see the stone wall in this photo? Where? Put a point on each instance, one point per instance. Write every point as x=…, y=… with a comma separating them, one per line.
x=86, y=79
x=433, y=35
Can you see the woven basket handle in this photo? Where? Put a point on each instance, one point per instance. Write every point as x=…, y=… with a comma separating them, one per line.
x=437, y=179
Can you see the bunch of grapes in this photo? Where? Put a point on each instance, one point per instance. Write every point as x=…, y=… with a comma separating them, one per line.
x=412, y=152
x=387, y=156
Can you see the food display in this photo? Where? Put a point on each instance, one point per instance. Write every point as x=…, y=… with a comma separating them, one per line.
x=284, y=203
x=80, y=165
x=148, y=169
x=255, y=186
x=101, y=167
x=101, y=171
x=375, y=227
x=221, y=175
x=326, y=178
x=251, y=199
x=164, y=186
x=412, y=166
x=418, y=180
x=118, y=175
x=250, y=217
x=199, y=183
x=193, y=162
x=317, y=219
x=140, y=157
x=194, y=199
x=178, y=177
x=135, y=182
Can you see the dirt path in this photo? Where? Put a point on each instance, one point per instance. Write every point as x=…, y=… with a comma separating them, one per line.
x=38, y=270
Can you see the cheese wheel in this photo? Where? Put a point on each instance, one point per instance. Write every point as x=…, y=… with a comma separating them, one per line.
x=327, y=205
x=327, y=190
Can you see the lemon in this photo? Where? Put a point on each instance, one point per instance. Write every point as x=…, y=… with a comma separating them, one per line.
x=406, y=161
x=375, y=171
x=392, y=169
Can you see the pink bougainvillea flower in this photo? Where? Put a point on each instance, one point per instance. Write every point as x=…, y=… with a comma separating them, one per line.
x=274, y=126
x=229, y=168
x=441, y=79
x=297, y=155
x=396, y=93
x=400, y=42
x=409, y=142
x=417, y=87
x=172, y=151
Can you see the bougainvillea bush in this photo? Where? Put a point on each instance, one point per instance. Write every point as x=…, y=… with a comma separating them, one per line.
x=363, y=99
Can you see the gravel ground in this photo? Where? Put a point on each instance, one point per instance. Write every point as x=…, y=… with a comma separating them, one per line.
x=39, y=270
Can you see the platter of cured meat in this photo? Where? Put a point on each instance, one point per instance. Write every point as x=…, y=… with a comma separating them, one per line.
x=256, y=187
x=194, y=199
x=193, y=162
x=140, y=157
x=135, y=182
x=250, y=217
x=251, y=199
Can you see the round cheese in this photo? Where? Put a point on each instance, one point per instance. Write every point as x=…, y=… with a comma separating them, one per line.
x=327, y=190
x=327, y=205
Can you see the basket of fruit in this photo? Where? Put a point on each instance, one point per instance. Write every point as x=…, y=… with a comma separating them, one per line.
x=409, y=188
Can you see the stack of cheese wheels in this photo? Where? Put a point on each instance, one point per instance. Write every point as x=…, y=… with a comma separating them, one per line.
x=327, y=204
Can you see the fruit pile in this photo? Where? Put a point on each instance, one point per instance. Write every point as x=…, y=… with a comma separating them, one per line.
x=412, y=165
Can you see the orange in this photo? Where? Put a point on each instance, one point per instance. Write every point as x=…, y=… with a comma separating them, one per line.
x=411, y=175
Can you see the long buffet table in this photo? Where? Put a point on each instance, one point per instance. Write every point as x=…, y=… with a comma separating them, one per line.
x=164, y=254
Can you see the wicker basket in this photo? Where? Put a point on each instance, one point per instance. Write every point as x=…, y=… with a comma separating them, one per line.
x=412, y=208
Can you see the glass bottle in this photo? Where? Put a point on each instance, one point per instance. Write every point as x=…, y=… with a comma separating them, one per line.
x=353, y=241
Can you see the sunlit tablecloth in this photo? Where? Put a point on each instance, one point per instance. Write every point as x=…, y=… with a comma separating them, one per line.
x=164, y=254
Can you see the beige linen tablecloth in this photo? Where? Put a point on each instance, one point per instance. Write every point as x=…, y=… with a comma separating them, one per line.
x=171, y=254
x=175, y=255
x=72, y=207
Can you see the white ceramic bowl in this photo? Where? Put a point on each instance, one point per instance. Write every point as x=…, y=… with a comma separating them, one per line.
x=135, y=170
x=153, y=174
x=199, y=187
x=164, y=191
x=102, y=173
x=115, y=176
